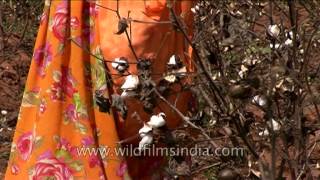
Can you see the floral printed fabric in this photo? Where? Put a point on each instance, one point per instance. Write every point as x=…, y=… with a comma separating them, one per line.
x=58, y=112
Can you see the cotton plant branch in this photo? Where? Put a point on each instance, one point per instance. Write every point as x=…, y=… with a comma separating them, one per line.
x=117, y=11
x=201, y=65
x=186, y=119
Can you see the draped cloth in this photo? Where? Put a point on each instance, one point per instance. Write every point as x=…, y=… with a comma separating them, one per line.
x=59, y=118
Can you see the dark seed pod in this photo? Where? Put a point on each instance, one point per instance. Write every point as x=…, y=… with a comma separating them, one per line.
x=122, y=25
x=240, y=91
x=120, y=105
x=253, y=82
x=228, y=174
x=148, y=106
x=103, y=102
x=143, y=64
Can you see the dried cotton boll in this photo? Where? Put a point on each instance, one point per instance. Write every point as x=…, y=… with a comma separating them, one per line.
x=145, y=141
x=157, y=121
x=273, y=30
x=120, y=64
x=131, y=82
x=145, y=130
x=122, y=26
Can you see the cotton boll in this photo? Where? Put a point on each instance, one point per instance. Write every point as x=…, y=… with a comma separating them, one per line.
x=193, y=10
x=127, y=93
x=181, y=72
x=274, y=30
x=174, y=62
x=120, y=64
x=131, y=82
x=289, y=35
x=288, y=42
x=243, y=70
x=276, y=125
x=264, y=133
x=145, y=130
x=157, y=121
x=275, y=46
x=170, y=78
x=260, y=100
x=145, y=141
x=4, y=112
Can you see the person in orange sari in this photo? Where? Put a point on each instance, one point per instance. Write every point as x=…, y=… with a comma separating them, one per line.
x=59, y=113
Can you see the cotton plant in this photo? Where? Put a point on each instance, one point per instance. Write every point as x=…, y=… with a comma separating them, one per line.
x=176, y=69
x=155, y=122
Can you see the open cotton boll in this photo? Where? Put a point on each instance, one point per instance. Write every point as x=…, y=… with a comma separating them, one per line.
x=170, y=78
x=145, y=130
x=260, y=100
x=243, y=70
x=145, y=141
x=264, y=133
x=288, y=42
x=120, y=64
x=274, y=30
x=276, y=125
x=157, y=121
x=173, y=60
x=182, y=71
x=4, y=112
x=131, y=82
x=127, y=93
x=275, y=46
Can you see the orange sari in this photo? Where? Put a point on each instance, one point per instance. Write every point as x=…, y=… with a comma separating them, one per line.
x=59, y=113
